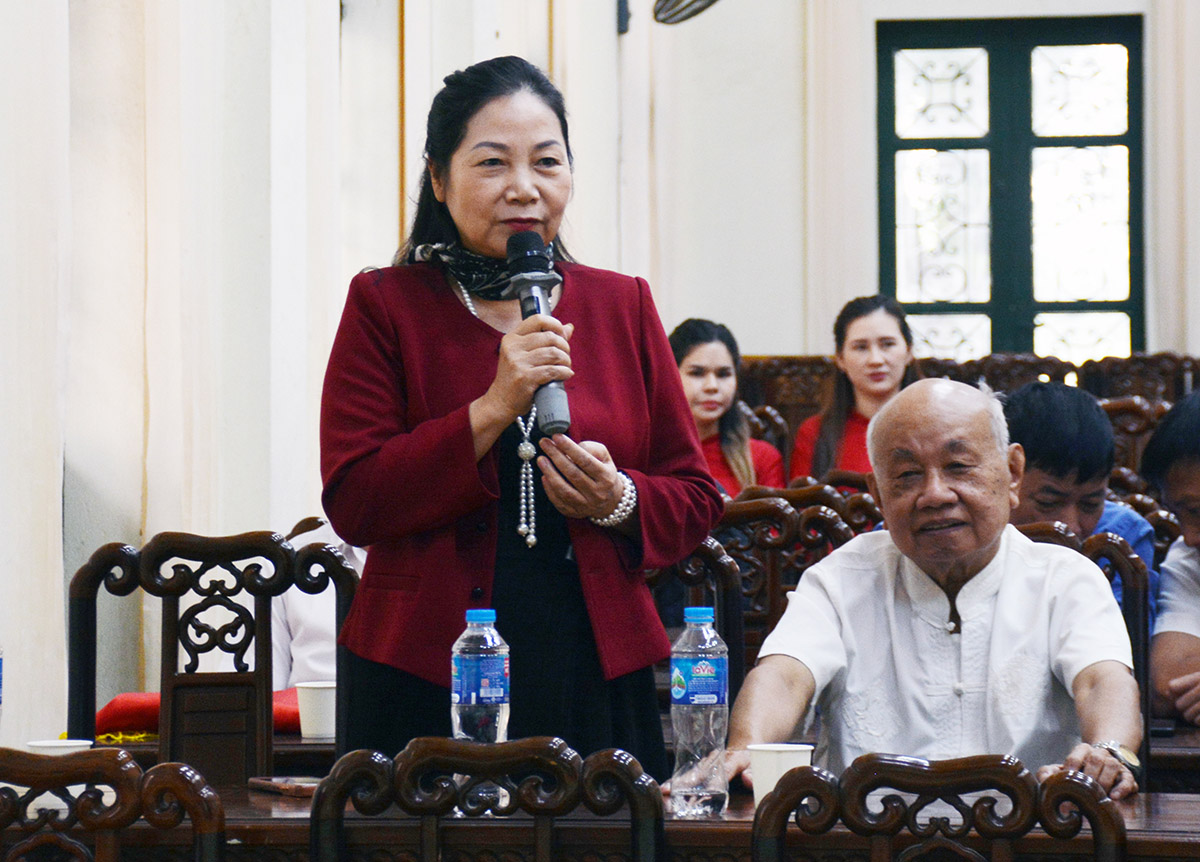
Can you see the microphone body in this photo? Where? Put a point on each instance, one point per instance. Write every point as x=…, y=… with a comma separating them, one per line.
x=533, y=291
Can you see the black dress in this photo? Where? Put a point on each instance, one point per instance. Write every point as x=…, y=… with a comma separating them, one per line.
x=558, y=687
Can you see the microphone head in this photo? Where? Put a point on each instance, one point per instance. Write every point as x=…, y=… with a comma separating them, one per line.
x=527, y=253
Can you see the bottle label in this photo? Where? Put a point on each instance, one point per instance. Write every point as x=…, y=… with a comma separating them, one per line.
x=699, y=681
x=479, y=679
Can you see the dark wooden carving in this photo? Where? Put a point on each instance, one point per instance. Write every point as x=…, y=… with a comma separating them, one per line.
x=1115, y=557
x=1155, y=376
x=435, y=777
x=1133, y=420
x=796, y=386
x=847, y=481
x=220, y=722
x=766, y=423
x=711, y=575
x=1006, y=372
x=85, y=826
x=941, y=810
x=754, y=533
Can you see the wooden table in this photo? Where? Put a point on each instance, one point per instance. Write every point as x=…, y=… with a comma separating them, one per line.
x=294, y=755
x=1175, y=761
x=270, y=828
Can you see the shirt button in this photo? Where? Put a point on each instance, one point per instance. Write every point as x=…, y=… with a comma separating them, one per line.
x=959, y=688
x=477, y=593
x=481, y=527
x=950, y=626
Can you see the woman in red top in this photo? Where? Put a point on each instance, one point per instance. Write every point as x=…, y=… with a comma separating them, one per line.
x=707, y=355
x=875, y=361
x=432, y=457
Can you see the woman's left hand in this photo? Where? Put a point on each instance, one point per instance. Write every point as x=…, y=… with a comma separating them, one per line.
x=580, y=479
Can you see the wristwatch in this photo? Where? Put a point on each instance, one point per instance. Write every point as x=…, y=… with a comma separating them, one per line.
x=1124, y=755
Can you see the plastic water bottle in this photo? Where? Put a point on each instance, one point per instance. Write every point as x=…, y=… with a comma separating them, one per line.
x=699, y=716
x=479, y=680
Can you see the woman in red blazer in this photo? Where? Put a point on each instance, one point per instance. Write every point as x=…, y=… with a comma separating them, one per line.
x=426, y=405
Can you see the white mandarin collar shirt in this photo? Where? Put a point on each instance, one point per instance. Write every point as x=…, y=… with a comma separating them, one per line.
x=892, y=677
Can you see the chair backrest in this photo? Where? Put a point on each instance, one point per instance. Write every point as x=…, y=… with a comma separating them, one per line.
x=1133, y=419
x=940, y=809
x=796, y=386
x=433, y=777
x=1156, y=376
x=846, y=481
x=221, y=722
x=93, y=796
x=1115, y=557
x=754, y=533
x=767, y=423
x=709, y=574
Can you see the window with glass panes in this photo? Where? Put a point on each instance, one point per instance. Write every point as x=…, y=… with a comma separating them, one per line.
x=1010, y=177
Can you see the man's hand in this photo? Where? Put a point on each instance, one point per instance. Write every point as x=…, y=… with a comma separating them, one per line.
x=1185, y=691
x=737, y=762
x=1117, y=781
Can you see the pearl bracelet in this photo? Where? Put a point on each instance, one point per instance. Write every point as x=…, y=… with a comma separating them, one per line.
x=624, y=508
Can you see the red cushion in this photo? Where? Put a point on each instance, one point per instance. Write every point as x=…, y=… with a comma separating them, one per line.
x=137, y=712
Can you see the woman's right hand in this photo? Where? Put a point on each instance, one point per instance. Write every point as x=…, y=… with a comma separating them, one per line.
x=535, y=352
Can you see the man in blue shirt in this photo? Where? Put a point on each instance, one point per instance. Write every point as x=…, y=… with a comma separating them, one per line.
x=1069, y=454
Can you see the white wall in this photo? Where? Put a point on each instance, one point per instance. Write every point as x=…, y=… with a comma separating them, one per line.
x=35, y=274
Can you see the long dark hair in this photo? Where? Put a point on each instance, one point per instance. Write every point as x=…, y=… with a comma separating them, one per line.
x=833, y=419
x=732, y=427
x=463, y=96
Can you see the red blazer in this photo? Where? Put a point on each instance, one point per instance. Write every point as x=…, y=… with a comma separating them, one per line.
x=400, y=475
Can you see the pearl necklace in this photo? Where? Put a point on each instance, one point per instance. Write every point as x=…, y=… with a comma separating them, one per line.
x=526, y=451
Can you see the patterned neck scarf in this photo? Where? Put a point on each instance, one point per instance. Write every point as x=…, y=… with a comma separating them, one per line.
x=482, y=277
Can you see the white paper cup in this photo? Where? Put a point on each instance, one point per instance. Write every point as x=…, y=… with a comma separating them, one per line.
x=769, y=760
x=58, y=746
x=318, y=708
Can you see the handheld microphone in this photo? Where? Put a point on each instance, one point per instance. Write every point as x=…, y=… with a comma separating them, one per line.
x=532, y=277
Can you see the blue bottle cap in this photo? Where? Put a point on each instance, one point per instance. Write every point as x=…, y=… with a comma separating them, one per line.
x=481, y=615
x=697, y=615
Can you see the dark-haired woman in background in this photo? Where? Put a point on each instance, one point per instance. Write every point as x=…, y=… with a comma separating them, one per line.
x=875, y=361
x=429, y=447
x=708, y=359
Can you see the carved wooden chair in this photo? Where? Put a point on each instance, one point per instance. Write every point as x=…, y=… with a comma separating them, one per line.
x=1133, y=419
x=1124, y=481
x=1155, y=376
x=708, y=574
x=862, y=513
x=796, y=386
x=540, y=776
x=1005, y=372
x=221, y=722
x=847, y=481
x=935, y=810
x=1115, y=557
x=97, y=794
x=755, y=533
x=1166, y=526
x=767, y=423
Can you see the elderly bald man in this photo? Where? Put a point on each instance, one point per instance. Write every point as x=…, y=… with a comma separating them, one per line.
x=951, y=633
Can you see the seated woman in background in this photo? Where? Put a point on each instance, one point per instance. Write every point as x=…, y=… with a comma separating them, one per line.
x=708, y=358
x=875, y=361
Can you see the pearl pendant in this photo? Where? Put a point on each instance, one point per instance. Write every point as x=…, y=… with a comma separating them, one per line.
x=526, y=451
x=531, y=540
